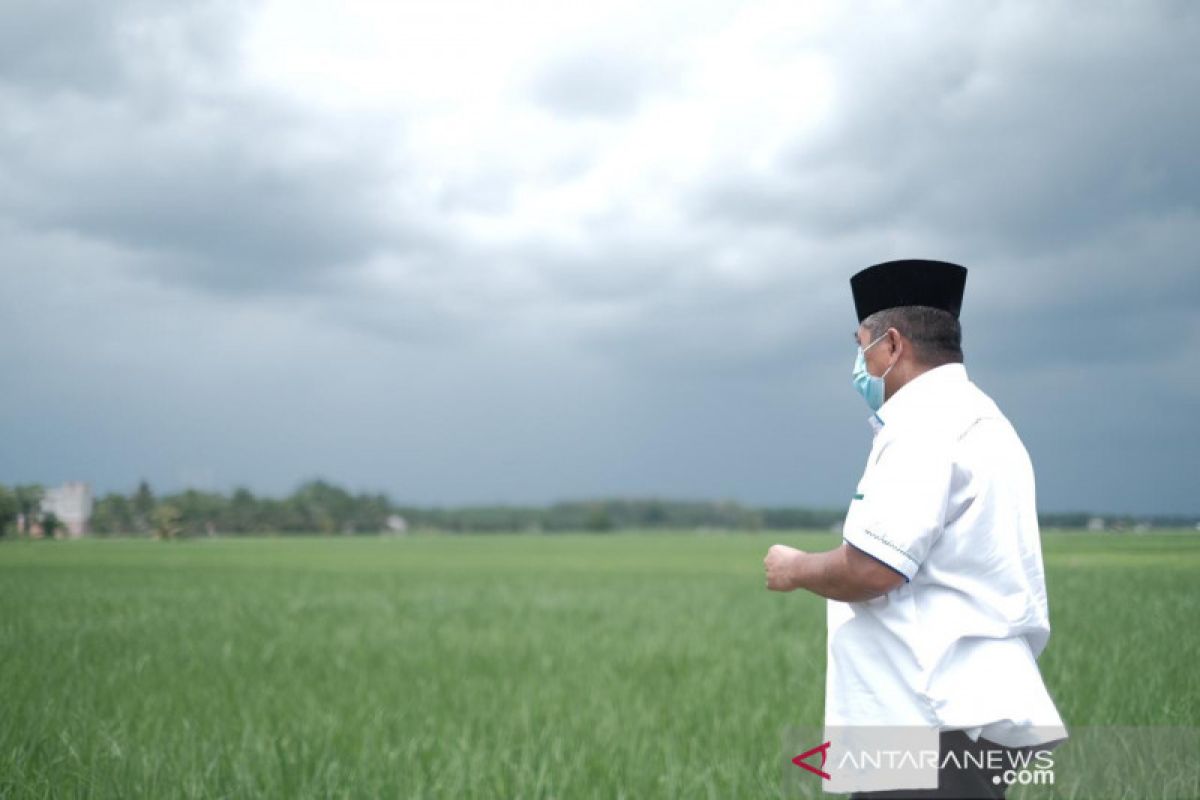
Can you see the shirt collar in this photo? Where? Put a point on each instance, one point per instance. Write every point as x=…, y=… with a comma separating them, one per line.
x=915, y=395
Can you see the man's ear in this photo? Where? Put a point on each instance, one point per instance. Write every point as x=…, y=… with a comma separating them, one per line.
x=896, y=341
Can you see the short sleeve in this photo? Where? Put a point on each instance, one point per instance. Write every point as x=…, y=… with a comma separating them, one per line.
x=900, y=508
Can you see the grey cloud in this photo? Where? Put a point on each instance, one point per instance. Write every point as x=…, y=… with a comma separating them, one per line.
x=57, y=45
x=608, y=82
x=1014, y=133
x=96, y=47
x=217, y=219
x=610, y=266
x=727, y=332
x=1058, y=165
x=319, y=309
x=204, y=182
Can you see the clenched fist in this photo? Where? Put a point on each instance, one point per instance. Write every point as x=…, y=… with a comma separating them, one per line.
x=781, y=565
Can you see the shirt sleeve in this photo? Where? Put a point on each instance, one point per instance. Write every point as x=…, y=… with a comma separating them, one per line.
x=903, y=498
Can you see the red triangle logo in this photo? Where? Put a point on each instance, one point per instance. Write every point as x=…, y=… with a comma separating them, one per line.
x=823, y=750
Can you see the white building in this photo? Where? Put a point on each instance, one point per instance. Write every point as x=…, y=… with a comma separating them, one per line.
x=71, y=503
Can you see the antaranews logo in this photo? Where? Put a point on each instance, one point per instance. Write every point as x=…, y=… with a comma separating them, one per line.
x=1023, y=767
x=1102, y=761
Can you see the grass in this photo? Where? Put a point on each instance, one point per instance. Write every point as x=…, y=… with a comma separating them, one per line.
x=617, y=665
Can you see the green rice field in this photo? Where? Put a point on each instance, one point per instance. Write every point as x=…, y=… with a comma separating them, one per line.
x=590, y=665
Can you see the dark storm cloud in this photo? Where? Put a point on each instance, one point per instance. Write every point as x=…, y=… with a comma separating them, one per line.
x=221, y=186
x=1050, y=151
x=1014, y=138
x=215, y=214
x=1127, y=296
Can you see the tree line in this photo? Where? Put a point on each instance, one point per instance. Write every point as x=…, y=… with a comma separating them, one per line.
x=21, y=510
x=320, y=507
x=323, y=508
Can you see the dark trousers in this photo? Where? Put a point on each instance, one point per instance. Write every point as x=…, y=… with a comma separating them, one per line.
x=958, y=778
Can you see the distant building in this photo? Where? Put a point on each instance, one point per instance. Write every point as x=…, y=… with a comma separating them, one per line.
x=1095, y=524
x=71, y=503
x=397, y=524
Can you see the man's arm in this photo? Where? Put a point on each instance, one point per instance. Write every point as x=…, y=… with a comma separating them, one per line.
x=846, y=574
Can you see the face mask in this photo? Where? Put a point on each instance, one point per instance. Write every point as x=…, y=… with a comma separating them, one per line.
x=869, y=386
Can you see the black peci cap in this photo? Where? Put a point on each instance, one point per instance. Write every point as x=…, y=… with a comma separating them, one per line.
x=909, y=282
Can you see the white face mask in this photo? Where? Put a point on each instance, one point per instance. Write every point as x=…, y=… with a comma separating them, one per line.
x=869, y=386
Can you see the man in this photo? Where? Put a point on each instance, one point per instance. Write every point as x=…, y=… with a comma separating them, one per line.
x=937, y=602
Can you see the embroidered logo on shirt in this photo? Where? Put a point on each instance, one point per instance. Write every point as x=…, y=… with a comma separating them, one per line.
x=858, y=496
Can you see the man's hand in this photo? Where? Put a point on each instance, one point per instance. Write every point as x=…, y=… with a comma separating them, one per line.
x=844, y=573
x=782, y=567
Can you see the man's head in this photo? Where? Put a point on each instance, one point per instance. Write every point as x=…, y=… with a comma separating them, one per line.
x=908, y=321
x=909, y=340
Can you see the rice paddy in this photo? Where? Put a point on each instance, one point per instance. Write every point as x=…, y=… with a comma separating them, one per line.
x=602, y=665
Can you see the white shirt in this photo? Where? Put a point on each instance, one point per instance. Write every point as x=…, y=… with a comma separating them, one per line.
x=947, y=500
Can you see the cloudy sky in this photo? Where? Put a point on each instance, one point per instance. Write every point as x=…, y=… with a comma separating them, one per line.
x=528, y=251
